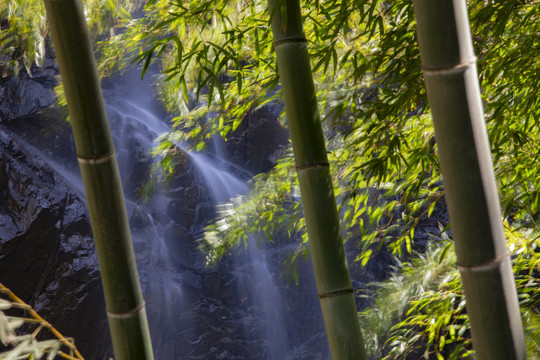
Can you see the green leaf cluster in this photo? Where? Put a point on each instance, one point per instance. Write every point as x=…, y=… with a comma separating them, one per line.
x=218, y=65
x=420, y=311
x=268, y=210
x=380, y=136
x=24, y=32
x=22, y=35
x=507, y=39
x=25, y=335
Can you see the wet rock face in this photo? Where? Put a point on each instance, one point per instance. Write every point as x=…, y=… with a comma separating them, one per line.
x=47, y=255
x=259, y=140
x=26, y=94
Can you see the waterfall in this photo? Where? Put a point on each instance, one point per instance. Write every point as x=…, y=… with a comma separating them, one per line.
x=252, y=268
x=163, y=281
x=134, y=128
x=235, y=312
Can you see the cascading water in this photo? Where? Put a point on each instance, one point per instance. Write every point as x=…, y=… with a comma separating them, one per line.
x=133, y=123
x=236, y=312
x=134, y=127
x=252, y=268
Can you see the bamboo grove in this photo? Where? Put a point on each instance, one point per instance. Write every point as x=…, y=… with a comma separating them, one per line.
x=217, y=57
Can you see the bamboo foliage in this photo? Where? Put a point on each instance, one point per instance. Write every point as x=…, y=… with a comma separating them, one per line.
x=29, y=342
x=97, y=161
x=326, y=246
x=449, y=67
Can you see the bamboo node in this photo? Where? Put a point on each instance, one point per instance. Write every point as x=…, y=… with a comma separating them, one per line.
x=127, y=314
x=450, y=70
x=94, y=160
x=335, y=293
x=312, y=165
x=290, y=40
x=484, y=266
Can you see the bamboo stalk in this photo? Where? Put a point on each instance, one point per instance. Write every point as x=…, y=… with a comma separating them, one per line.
x=449, y=67
x=326, y=246
x=99, y=170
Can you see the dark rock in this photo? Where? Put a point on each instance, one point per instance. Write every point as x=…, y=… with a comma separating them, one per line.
x=253, y=146
x=46, y=248
x=212, y=284
x=46, y=77
x=24, y=97
x=49, y=133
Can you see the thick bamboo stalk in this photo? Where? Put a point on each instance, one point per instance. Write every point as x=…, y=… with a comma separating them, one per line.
x=99, y=170
x=449, y=67
x=326, y=246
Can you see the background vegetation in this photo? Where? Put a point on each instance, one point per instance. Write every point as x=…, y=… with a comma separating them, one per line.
x=217, y=65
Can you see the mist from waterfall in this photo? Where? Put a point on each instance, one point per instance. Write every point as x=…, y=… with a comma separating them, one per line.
x=251, y=268
x=163, y=283
x=185, y=307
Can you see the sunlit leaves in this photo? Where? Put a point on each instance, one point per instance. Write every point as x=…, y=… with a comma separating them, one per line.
x=507, y=39
x=420, y=311
x=271, y=209
x=23, y=37
x=25, y=335
x=216, y=53
x=23, y=33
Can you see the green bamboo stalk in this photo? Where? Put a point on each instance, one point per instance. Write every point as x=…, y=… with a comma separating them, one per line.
x=99, y=170
x=325, y=242
x=449, y=67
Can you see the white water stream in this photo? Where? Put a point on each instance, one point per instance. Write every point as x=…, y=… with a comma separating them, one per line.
x=171, y=278
x=163, y=288
x=251, y=268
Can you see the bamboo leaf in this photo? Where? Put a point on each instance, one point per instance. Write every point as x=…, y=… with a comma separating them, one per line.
x=147, y=62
